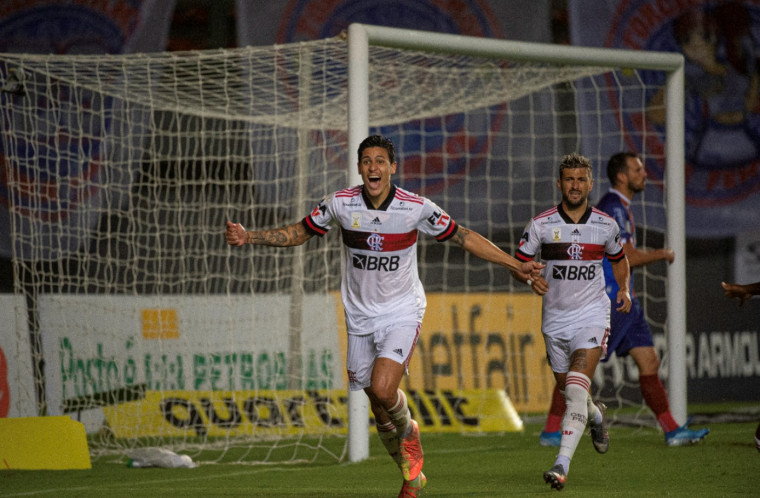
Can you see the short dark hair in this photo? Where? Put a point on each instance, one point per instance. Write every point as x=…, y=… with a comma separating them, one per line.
x=618, y=163
x=378, y=141
x=572, y=161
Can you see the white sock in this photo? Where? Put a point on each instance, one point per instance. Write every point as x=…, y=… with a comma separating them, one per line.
x=389, y=438
x=400, y=415
x=576, y=416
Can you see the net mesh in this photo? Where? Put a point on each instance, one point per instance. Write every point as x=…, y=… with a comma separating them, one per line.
x=121, y=172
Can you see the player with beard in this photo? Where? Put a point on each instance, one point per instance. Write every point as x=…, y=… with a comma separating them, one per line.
x=573, y=239
x=629, y=332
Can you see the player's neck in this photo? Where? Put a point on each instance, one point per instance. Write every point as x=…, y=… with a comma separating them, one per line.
x=375, y=201
x=575, y=213
x=625, y=192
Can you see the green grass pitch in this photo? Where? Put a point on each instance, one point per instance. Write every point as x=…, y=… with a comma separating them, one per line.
x=637, y=464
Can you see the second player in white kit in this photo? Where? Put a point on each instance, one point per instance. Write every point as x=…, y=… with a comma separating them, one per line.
x=572, y=239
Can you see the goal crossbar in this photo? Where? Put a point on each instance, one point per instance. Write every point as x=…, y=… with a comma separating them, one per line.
x=122, y=169
x=362, y=36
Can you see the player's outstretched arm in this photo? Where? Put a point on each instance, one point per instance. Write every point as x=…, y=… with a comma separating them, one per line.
x=741, y=291
x=641, y=257
x=290, y=235
x=476, y=244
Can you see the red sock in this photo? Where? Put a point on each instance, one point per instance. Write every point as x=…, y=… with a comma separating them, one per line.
x=655, y=397
x=556, y=412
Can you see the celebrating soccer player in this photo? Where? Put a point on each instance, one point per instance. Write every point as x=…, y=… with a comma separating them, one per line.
x=381, y=291
x=573, y=239
x=629, y=332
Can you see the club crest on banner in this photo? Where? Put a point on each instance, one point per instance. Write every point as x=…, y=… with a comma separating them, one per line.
x=462, y=144
x=70, y=29
x=53, y=177
x=720, y=42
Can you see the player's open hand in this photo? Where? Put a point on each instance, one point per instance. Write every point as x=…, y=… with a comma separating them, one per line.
x=624, y=300
x=235, y=234
x=534, y=280
x=530, y=273
x=539, y=284
x=737, y=291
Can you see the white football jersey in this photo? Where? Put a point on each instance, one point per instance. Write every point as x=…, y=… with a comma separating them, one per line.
x=380, y=280
x=573, y=254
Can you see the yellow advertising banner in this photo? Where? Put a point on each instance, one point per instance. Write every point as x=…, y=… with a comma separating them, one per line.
x=293, y=413
x=480, y=341
x=479, y=363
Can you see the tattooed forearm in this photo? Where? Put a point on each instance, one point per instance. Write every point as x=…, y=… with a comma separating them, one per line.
x=291, y=235
x=460, y=236
x=483, y=248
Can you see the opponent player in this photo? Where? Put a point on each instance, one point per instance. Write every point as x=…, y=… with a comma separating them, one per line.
x=573, y=239
x=381, y=291
x=629, y=332
x=744, y=292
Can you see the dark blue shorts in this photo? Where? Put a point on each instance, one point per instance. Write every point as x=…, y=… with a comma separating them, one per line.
x=628, y=330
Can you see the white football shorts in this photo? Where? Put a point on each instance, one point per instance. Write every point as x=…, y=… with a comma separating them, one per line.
x=558, y=351
x=395, y=342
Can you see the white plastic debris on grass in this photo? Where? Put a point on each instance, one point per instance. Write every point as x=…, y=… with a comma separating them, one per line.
x=158, y=457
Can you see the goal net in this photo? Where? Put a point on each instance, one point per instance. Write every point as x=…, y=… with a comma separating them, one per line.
x=120, y=172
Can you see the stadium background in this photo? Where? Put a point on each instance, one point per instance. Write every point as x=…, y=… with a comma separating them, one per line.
x=723, y=246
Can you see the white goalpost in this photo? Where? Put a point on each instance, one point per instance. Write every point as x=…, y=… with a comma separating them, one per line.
x=360, y=37
x=121, y=171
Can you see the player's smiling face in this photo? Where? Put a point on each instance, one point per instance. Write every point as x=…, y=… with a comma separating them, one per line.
x=376, y=169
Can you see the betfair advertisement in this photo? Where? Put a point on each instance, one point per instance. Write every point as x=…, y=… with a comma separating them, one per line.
x=481, y=341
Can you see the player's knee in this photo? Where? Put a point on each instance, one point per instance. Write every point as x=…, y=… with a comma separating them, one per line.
x=647, y=360
x=385, y=396
x=651, y=369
